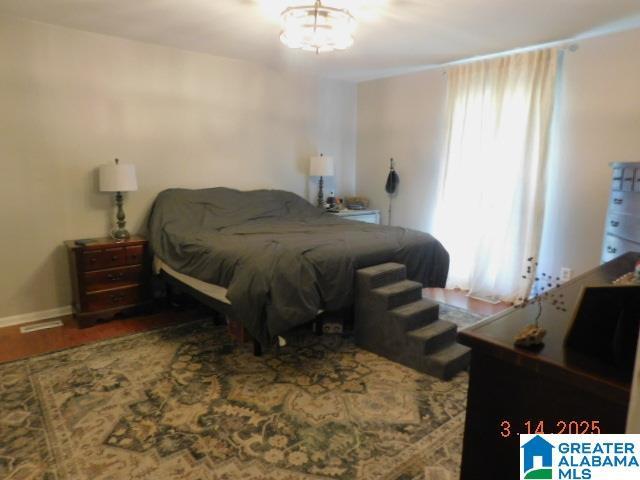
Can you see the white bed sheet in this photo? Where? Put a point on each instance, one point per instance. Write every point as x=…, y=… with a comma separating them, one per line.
x=209, y=289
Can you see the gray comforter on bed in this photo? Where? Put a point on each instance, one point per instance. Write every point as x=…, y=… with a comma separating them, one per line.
x=280, y=258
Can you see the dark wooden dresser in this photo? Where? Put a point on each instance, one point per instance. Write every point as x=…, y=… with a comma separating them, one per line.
x=108, y=277
x=514, y=391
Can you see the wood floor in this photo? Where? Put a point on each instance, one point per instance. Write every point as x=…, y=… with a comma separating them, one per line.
x=15, y=345
x=459, y=298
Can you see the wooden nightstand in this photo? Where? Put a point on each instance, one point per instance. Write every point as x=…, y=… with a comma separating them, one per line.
x=108, y=277
x=366, y=216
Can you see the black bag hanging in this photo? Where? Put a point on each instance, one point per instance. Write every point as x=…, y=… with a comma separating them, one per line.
x=391, y=186
x=392, y=180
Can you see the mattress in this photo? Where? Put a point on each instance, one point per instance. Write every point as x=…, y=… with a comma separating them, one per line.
x=279, y=258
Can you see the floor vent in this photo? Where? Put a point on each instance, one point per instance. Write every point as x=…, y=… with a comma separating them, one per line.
x=41, y=326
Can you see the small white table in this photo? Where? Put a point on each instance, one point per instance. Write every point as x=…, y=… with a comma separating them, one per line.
x=366, y=216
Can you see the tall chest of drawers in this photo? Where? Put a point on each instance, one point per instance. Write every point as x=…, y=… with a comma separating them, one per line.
x=622, y=228
x=108, y=277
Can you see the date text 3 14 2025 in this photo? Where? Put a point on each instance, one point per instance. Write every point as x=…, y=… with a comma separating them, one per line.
x=532, y=427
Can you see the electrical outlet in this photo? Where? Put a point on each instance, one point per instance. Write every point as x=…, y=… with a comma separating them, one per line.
x=565, y=274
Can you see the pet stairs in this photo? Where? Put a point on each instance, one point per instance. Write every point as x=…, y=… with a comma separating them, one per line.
x=394, y=321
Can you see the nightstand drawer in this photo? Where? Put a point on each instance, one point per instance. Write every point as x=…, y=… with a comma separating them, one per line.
x=135, y=255
x=616, y=182
x=112, y=278
x=107, y=258
x=614, y=247
x=624, y=202
x=118, y=297
x=628, y=179
x=365, y=216
x=624, y=226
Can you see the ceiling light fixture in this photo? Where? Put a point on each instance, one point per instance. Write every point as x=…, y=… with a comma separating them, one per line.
x=317, y=28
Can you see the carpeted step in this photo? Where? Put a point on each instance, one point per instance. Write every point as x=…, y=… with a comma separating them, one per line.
x=445, y=363
x=433, y=337
x=378, y=276
x=397, y=294
x=393, y=320
x=415, y=314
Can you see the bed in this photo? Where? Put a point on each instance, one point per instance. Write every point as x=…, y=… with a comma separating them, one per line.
x=272, y=258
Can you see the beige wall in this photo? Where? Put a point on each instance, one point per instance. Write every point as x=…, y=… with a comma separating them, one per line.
x=402, y=117
x=70, y=101
x=597, y=121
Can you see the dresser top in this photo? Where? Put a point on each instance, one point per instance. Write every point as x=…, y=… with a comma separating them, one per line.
x=106, y=242
x=624, y=164
x=495, y=335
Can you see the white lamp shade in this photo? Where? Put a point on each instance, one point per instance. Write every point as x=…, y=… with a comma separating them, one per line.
x=118, y=178
x=321, y=166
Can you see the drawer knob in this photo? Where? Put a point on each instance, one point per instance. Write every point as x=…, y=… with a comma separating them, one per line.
x=611, y=249
x=114, y=258
x=93, y=259
x=617, y=201
x=615, y=223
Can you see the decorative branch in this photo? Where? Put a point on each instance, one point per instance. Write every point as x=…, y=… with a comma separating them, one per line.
x=542, y=291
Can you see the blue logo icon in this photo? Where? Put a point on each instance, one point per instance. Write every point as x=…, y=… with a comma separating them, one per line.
x=538, y=447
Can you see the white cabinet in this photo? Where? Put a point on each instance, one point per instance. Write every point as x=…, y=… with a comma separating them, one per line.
x=622, y=230
x=366, y=216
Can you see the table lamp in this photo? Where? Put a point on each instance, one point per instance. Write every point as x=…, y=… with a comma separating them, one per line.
x=119, y=178
x=321, y=167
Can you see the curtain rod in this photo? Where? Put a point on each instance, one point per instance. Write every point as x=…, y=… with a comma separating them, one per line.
x=566, y=45
x=570, y=45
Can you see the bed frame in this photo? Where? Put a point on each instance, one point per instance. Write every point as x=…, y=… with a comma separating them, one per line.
x=214, y=297
x=236, y=330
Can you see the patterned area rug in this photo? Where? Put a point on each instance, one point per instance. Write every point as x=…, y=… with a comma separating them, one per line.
x=184, y=403
x=462, y=318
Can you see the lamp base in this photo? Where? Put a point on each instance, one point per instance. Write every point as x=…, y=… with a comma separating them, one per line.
x=120, y=234
x=320, y=193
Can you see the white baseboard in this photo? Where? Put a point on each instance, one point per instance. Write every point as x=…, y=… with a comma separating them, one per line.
x=35, y=316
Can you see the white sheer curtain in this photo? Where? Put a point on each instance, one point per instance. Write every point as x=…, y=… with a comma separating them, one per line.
x=491, y=204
